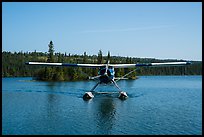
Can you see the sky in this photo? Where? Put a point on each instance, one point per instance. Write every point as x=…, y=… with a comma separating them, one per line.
x=161, y=30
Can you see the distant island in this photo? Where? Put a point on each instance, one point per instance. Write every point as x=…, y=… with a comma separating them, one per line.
x=13, y=65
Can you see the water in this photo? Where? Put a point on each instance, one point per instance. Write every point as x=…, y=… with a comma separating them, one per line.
x=156, y=105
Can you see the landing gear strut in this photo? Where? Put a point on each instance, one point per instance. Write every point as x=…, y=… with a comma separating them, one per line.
x=122, y=94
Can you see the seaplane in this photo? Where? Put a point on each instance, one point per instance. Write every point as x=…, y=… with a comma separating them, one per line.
x=106, y=73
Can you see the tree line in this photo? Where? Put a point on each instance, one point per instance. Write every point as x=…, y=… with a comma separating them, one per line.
x=13, y=65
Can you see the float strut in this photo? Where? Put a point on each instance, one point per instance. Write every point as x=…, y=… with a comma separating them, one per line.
x=122, y=94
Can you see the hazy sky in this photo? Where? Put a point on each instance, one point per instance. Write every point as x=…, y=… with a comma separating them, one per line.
x=162, y=30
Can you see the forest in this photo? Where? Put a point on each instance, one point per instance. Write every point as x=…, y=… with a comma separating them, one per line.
x=13, y=65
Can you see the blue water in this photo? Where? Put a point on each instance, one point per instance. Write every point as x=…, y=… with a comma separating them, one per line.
x=156, y=105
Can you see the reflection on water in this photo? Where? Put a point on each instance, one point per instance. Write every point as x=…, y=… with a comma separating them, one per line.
x=52, y=107
x=106, y=115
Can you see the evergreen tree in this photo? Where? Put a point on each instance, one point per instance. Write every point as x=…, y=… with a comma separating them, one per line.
x=100, y=57
x=84, y=58
x=50, y=52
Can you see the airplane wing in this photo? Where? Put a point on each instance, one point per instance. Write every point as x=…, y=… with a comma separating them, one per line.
x=149, y=64
x=111, y=65
x=66, y=64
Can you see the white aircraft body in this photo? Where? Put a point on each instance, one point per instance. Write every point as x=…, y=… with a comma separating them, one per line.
x=106, y=72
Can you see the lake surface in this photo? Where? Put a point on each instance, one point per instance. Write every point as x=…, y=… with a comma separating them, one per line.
x=156, y=105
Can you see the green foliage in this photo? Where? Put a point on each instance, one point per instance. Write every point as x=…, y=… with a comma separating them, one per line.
x=59, y=76
x=13, y=65
x=100, y=57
